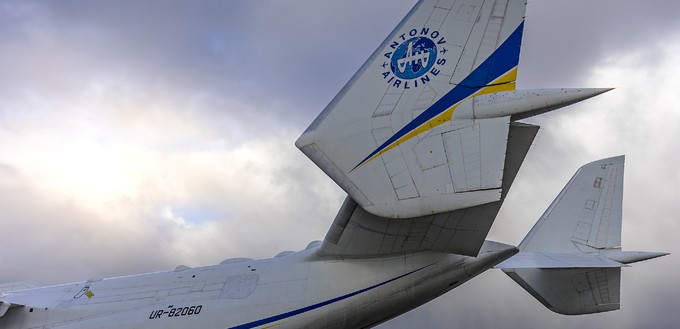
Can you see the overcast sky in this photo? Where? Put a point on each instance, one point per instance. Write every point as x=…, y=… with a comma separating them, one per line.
x=139, y=135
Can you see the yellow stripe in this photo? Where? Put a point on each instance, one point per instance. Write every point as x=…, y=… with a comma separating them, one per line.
x=506, y=82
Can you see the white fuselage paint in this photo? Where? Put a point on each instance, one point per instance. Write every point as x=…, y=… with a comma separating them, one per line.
x=301, y=290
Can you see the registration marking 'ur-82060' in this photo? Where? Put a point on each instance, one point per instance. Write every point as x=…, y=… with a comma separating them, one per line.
x=176, y=312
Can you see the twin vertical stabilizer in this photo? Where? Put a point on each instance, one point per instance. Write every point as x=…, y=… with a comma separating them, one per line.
x=571, y=259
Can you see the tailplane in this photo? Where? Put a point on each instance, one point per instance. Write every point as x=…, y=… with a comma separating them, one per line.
x=571, y=259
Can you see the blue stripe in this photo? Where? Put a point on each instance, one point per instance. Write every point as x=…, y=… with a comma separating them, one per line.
x=499, y=62
x=322, y=304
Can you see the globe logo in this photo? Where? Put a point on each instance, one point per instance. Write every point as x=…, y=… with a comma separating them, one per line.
x=413, y=58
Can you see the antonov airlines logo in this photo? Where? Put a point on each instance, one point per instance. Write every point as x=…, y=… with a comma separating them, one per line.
x=413, y=58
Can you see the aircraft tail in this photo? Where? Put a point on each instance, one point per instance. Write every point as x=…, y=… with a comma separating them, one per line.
x=571, y=259
x=422, y=127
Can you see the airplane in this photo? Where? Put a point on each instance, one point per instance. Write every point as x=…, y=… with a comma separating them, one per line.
x=426, y=139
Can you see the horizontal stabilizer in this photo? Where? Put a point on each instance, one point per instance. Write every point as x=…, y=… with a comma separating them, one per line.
x=550, y=260
x=545, y=260
x=629, y=257
x=522, y=104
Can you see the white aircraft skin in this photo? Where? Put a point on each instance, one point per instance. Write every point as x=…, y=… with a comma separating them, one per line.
x=425, y=140
x=300, y=290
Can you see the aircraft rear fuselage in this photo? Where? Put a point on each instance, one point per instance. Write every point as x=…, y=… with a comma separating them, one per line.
x=300, y=290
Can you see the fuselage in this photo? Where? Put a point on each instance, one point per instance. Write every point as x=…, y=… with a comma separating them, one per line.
x=300, y=290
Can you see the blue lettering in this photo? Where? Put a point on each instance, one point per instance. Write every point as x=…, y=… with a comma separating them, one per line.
x=425, y=31
x=396, y=83
x=434, y=71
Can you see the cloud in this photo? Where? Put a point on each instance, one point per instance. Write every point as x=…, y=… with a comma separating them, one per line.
x=135, y=136
x=564, y=40
x=245, y=49
x=196, y=207
x=105, y=142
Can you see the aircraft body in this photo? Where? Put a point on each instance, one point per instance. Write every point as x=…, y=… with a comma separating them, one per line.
x=426, y=140
x=224, y=296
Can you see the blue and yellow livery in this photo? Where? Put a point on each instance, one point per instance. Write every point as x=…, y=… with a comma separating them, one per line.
x=422, y=127
x=497, y=73
x=389, y=138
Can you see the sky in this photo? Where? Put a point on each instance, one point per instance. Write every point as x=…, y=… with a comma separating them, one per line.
x=139, y=135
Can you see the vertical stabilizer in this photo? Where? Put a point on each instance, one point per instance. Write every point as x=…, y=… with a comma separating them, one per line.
x=586, y=215
x=571, y=259
x=388, y=138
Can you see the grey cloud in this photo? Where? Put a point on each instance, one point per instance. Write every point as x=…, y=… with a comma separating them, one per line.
x=56, y=237
x=263, y=70
x=289, y=49
x=564, y=40
x=297, y=55
x=8, y=171
x=46, y=235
